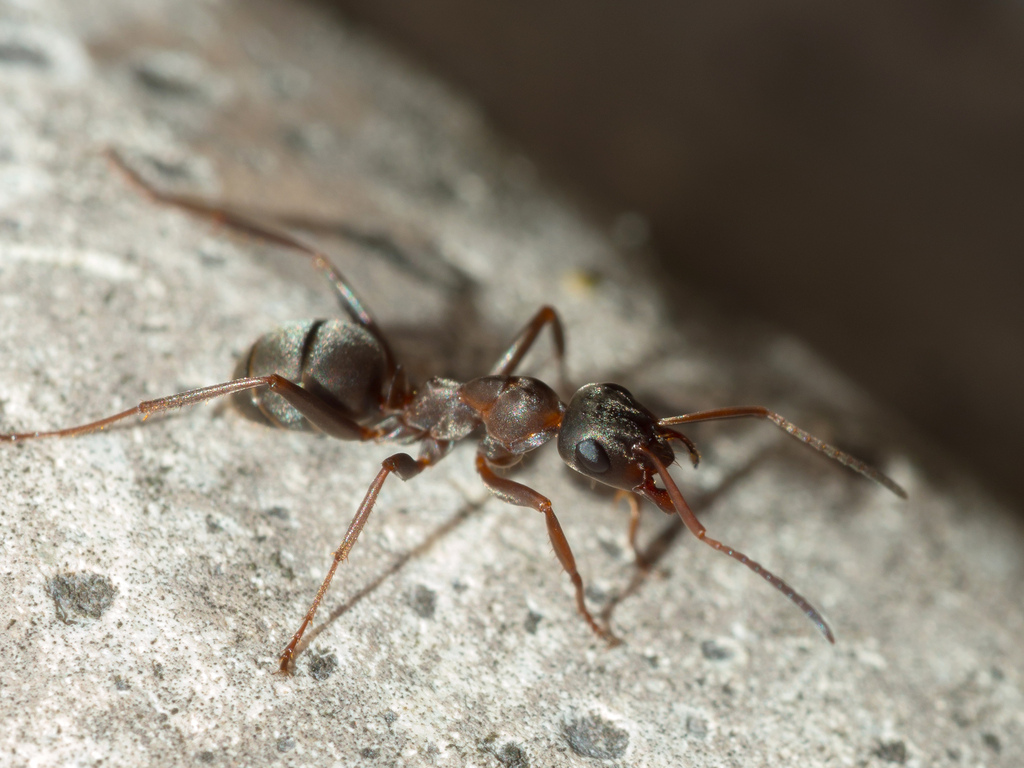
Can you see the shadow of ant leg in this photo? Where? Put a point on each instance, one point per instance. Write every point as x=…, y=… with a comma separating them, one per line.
x=520, y=495
x=220, y=214
x=648, y=557
x=401, y=464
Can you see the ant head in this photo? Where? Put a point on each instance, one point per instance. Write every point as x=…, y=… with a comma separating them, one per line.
x=602, y=427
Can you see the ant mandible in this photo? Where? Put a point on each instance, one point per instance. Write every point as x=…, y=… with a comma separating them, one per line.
x=341, y=377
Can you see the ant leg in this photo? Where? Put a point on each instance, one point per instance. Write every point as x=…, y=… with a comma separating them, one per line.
x=759, y=412
x=520, y=495
x=241, y=223
x=634, y=528
x=671, y=499
x=401, y=464
x=527, y=336
x=323, y=414
x=691, y=448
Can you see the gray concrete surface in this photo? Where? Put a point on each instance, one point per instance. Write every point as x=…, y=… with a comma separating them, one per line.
x=151, y=574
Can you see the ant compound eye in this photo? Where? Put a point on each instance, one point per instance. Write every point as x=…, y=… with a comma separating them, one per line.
x=592, y=457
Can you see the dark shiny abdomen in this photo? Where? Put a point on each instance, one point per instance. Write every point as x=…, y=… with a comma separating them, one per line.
x=337, y=360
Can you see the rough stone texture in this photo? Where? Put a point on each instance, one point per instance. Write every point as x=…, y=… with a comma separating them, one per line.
x=451, y=637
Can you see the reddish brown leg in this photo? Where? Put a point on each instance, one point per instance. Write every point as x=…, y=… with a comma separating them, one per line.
x=759, y=412
x=634, y=527
x=520, y=495
x=401, y=464
x=524, y=341
x=691, y=447
x=670, y=499
x=241, y=223
x=321, y=413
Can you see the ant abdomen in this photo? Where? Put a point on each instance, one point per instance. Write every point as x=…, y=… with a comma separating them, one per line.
x=339, y=361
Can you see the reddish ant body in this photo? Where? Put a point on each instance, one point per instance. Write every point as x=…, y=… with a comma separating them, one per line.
x=341, y=377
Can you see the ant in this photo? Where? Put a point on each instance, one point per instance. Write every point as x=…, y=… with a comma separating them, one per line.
x=341, y=378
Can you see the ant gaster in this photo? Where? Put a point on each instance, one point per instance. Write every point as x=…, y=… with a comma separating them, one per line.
x=341, y=378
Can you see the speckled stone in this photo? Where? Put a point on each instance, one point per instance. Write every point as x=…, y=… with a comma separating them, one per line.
x=450, y=638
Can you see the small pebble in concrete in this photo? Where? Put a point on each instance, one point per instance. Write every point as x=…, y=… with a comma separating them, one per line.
x=424, y=601
x=715, y=651
x=532, y=621
x=697, y=726
x=512, y=756
x=322, y=664
x=171, y=73
x=593, y=736
x=991, y=741
x=85, y=595
x=16, y=53
x=892, y=752
x=509, y=754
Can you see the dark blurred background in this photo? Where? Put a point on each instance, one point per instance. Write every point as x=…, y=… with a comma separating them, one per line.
x=853, y=172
